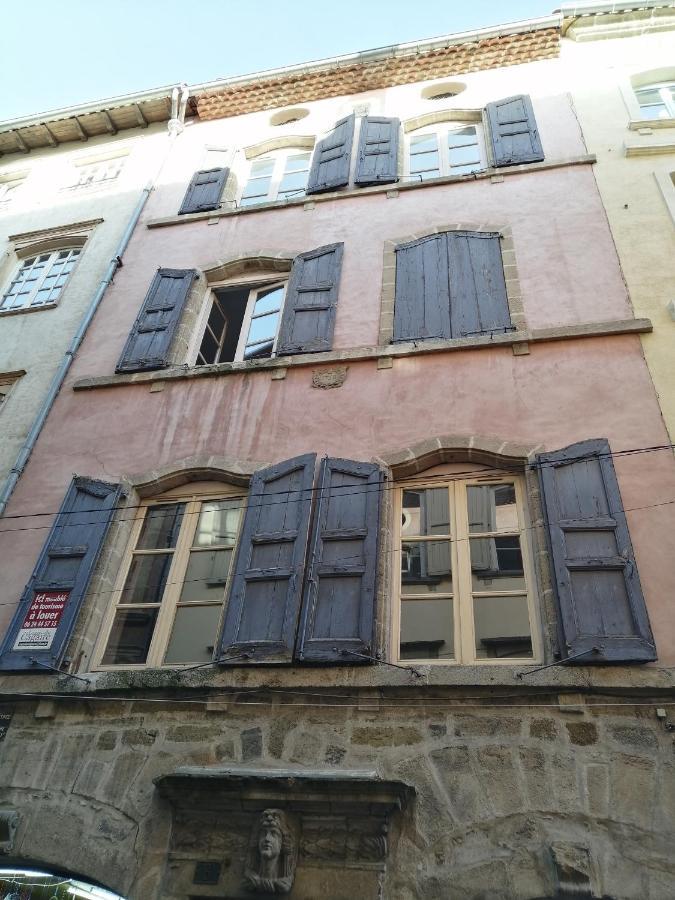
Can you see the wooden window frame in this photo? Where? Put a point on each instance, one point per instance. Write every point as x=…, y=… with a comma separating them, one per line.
x=462, y=600
x=280, y=158
x=169, y=604
x=254, y=283
x=441, y=130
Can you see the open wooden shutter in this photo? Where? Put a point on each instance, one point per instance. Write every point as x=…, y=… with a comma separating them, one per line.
x=422, y=303
x=513, y=131
x=378, y=151
x=49, y=605
x=478, y=302
x=332, y=158
x=339, y=598
x=262, y=613
x=598, y=588
x=308, y=318
x=204, y=191
x=149, y=340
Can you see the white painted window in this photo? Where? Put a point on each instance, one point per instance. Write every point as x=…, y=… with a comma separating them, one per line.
x=169, y=601
x=242, y=323
x=39, y=280
x=463, y=572
x=451, y=148
x=657, y=101
x=281, y=175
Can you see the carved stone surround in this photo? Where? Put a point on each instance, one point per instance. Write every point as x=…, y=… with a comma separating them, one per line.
x=344, y=824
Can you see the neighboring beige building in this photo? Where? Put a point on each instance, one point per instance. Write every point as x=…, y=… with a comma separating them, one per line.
x=70, y=181
x=621, y=71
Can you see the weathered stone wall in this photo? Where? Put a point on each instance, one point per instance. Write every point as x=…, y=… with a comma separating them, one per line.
x=511, y=800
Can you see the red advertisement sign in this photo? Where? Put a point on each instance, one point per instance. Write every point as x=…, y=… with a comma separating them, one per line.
x=42, y=620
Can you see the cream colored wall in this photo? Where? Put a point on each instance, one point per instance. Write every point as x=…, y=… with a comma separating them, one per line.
x=636, y=190
x=36, y=341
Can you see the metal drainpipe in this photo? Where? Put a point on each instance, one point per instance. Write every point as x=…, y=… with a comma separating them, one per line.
x=175, y=126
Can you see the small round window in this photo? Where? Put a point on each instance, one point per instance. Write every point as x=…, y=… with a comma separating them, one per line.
x=286, y=116
x=443, y=91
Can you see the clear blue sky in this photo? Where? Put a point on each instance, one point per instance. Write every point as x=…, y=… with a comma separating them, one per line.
x=57, y=53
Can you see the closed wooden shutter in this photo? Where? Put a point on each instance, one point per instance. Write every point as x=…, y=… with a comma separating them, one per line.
x=378, y=151
x=339, y=599
x=262, y=613
x=48, y=609
x=478, y=301
x=422, y=302
x=513, y=131
x=598, y=588
x=149, y=341
x=204, y=191
x=308, y=317
x=332, y=158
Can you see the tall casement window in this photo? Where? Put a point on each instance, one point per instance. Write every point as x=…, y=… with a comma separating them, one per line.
x=168, y=604
x=281, y=175
x=451, y=148
x=657, y=101
x=463, y=572
x=243, y=323
x=39, y=280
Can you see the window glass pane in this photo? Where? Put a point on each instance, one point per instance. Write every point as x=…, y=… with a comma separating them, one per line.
x=426, y=567
x=492, y=507
x=293, y=183
x=263, y=329
x=427, y=629
x=424, y=162
x=161, y=526
x=462, y=137
x=195, y=631
x=269, y=301
x=209, y=348
x=656, y=111
x=130, y=637
x=262, y=167
x=218, y=523
x=206, y=576
x=464, y=156
x=426, y=511
x=217, y=318
x=147, y=578
x=497, y=564
x=297, y=162
x=423, y=143
x=259, y=351
x=502, y=627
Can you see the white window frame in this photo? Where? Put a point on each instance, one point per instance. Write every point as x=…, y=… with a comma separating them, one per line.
x=105, y=162
x=255, y=283
x=53, y=256
x=665, y=90
x=169, y=603
x=280, y=158
x=441, y=130
x=463, y=592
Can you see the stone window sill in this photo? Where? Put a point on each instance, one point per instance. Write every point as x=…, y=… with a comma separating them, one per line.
x=640, y=124
x=27, y=309
x=516, y=339
x=380, y=189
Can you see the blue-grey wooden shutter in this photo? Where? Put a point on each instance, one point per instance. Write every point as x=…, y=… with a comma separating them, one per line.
x=513, y=131
x=339, y=599
x=332, y=158
x=308, y=318
x=262, y=613
x=422, y=301
x=60, y=578
x=378, y=151
x=598, y=588
x=478, y=302
x=149, y=340
x=204, y=191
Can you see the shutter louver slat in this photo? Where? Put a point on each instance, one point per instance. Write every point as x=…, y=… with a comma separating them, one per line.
x=513, y=131
x=204, y=191
x=262, y=612
x=340, y=589
x=308, y=318
x=150, y=338
x=60, y=579
x=598, y=589
x=332, y=158
x=378, y=151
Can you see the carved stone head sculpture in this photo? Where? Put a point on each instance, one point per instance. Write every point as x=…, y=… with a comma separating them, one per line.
x=272, y=855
